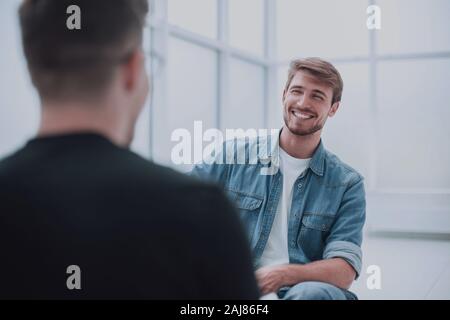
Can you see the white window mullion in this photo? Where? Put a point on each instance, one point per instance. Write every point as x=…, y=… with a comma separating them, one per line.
x=271, y=96
x=224, y=62
x=373, y=135
x=159, y=54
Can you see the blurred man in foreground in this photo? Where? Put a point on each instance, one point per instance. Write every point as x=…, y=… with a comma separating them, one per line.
x=80, y=215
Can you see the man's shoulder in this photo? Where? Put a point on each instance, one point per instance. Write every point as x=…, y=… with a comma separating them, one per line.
x=193, y=198
x=114, y=165
x=251, y=145
x=11, y=163
x=162, y=177
x=339, y=171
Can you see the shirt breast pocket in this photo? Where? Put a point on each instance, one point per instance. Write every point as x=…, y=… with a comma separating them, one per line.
x=314, y=230
x=244, y=201
x=248, y=206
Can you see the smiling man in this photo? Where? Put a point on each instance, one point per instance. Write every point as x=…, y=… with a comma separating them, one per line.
x=304, y=222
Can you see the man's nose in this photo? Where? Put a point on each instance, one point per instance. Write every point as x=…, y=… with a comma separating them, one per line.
x=302, y=101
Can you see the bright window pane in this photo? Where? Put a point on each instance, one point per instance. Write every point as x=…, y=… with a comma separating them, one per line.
x=353, y=116
x=246, y=109
x=324, y=28
x=411, y=26
x=199, y=16
x=275, y=118
x=191, y=94
x=246, y=25
x=413, y=132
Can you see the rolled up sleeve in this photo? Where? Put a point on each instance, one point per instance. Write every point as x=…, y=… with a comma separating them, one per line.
x=345, y=238
x=348, y=251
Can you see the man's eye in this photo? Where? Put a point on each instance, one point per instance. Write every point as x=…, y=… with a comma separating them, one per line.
x=318, y=98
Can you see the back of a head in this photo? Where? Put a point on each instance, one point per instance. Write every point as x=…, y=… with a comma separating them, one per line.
x=66, y=62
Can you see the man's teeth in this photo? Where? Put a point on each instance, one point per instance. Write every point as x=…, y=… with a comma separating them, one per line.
x=302, y=115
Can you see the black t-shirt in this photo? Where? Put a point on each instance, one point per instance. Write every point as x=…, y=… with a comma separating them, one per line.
x=136, y=230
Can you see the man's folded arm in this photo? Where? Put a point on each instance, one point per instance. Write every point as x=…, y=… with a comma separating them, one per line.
x=345, y=238
x=342, y=257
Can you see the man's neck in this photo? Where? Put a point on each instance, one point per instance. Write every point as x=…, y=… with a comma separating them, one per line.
x=66, y=119
x=300, y=147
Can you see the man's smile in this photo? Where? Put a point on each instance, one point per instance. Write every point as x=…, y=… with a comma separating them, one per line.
x=301, y=115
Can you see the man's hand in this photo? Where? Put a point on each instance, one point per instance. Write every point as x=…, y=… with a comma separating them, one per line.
x=271, y=279
x=335, y=271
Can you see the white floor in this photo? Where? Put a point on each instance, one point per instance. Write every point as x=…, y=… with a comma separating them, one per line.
x=410, y=268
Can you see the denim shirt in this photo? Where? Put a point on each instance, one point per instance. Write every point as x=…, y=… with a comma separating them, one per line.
x=328, y=203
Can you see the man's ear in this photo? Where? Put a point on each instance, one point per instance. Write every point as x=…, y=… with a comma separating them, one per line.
x=284, y=96
x=132, y=69
x=334, y=108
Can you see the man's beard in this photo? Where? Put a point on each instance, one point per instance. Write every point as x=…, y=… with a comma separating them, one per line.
x=300, y=131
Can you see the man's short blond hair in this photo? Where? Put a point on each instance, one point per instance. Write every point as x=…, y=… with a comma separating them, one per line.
x=322, y=70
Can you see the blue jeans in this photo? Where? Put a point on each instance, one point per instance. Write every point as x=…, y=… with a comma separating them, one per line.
x=312, y=290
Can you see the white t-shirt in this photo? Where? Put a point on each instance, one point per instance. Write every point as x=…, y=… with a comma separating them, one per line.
x=276, y=250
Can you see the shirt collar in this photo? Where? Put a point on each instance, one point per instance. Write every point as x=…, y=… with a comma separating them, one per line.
x=316, y=164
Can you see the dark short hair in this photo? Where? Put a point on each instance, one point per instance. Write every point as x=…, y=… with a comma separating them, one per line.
x=64, y=62
x=320, y=69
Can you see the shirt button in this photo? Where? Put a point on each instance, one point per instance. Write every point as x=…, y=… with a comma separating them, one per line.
x=300, y=185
